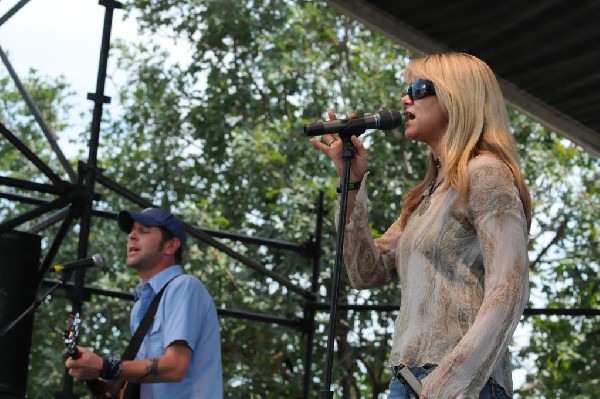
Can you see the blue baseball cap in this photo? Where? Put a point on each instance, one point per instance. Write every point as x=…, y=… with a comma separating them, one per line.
x=153, y=217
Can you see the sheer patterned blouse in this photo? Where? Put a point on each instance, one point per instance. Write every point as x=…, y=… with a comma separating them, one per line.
x=463, y=280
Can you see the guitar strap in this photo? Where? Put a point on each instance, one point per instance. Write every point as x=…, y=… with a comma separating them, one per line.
x=132, y=390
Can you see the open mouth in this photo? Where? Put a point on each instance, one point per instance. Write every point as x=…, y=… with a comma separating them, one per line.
x=409, y=115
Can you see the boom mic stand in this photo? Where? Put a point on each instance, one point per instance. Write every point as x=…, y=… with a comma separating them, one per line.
x=31, y=308
x=347, y=155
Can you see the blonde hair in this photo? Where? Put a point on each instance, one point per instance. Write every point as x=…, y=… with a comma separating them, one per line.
x=470, y=96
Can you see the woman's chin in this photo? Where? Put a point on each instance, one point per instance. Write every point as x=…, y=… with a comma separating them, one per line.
x=411, y=135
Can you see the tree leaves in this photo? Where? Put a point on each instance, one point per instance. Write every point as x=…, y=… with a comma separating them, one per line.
x=219, y=141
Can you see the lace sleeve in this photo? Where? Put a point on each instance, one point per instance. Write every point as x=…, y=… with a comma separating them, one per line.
x=369, y=262
x=497, y=215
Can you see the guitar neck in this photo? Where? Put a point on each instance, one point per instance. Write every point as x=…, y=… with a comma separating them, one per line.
x=74, y=353
x=97, y=387
x=71, y=336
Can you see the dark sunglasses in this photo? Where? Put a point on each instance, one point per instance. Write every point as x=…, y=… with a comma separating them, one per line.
x=419, y=89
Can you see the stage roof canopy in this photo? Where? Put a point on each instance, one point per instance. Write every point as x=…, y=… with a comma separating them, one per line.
x=545, y=53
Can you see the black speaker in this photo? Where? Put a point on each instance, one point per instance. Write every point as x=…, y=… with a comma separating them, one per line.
x=19, y=263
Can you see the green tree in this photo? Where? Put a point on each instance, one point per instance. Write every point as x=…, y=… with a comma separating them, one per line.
x=256, y=76
x=219, y=140
x=564, y=182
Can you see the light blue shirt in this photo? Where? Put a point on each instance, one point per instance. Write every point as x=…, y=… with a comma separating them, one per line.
x=186, y=313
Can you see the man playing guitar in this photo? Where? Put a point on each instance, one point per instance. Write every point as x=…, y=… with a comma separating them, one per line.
x=180, y=355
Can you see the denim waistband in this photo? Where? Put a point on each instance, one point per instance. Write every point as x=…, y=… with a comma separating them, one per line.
x=425, y=367
x=492, y=389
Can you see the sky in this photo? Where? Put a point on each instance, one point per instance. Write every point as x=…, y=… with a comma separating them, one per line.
x=59, y=37
x=63, y=37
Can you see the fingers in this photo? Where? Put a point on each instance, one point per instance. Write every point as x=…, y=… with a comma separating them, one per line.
x=318, y=144
x=70, y=363
x=359, y=147
x=332, y=116
x=356, y=142
x=86, y=367
x=328, y=140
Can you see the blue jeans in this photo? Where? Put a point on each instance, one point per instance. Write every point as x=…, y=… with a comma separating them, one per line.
x=400, y=390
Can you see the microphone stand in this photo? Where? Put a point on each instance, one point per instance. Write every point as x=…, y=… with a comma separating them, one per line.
x=347, y=155
x=31, y=308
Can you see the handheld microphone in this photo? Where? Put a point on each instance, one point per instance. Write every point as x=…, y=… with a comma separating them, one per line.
x=95, y=261
x=383, y=120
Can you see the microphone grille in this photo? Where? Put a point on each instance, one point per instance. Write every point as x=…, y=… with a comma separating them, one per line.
x=99, y=261
x=390, y=118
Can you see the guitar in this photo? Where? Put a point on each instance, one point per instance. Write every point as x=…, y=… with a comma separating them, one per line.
x=99, y=388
